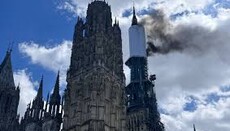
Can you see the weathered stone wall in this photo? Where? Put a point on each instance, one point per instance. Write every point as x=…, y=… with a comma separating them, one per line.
x=94, y=98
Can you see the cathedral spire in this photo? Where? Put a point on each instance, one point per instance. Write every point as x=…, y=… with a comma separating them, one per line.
x=57, y=88
x=55, y=97
x=38, y=102
x=134, y=21
x=9, y=95
x=6, y=71
x=40, y=89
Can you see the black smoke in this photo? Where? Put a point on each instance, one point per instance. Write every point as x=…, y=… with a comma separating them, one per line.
x=164, y=38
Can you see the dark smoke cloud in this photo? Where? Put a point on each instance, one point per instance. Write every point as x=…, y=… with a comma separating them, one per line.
x=164, y=38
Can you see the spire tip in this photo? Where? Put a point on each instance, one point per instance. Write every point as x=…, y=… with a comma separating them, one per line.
x=134, y=21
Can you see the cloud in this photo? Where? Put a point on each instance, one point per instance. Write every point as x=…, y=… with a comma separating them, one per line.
x=27, y=89
x=209, y=116
x=78, y=7
x=53, y=58
x=198, y=76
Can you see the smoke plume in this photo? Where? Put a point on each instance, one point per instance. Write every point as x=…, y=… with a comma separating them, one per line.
x=164, y=38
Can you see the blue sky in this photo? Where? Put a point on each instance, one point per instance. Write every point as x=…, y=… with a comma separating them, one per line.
x=39, y=21
x=191, y=88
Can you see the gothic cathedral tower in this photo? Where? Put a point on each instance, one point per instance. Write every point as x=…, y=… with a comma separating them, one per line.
x=9, y=96
x=94, y=98
x=142, y=113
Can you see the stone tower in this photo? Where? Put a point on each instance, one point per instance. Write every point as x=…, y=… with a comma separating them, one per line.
x=94, y=98
x=9, y=96
x=142, y=112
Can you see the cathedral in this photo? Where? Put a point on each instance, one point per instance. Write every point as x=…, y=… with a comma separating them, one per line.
x=96, y=97
x=39, y=116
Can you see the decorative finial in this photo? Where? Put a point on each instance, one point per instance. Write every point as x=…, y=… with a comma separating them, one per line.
x=134, y=21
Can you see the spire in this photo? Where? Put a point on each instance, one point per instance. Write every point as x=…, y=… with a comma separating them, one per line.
x=194, y=127
x=7, y=71
x=6, y=61
x=57, y=88
x=40, y=89
x=134, y=21
x=55, y=97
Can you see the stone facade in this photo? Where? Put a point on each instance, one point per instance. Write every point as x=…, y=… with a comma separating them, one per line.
x=94, y=98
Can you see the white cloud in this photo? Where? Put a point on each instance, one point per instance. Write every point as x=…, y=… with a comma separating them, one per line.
x=207, y=117
x=53, y=58
x=27, y=90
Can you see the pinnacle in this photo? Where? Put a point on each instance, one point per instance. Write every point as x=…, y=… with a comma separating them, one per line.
x=134, y=21
x=40, y=89
x=56, y=88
